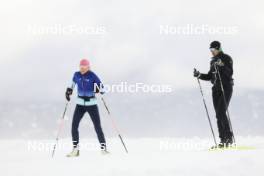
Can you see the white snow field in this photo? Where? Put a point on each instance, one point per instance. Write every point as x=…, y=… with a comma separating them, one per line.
x=147, y=156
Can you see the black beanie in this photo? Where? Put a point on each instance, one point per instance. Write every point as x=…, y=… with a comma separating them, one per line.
x=215, y=45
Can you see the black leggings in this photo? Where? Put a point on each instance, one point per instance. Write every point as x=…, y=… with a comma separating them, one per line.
x=220, y=109
x=77, y=117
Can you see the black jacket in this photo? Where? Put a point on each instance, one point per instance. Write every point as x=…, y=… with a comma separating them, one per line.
x=226, y=72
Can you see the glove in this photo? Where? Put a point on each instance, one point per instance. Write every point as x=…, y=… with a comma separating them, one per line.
x=219, y=63
x=98, y=90
x=196, y=73
x=68, y=94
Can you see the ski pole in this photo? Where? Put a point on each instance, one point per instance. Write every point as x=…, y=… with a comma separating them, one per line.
x=59, y=130
x=114, y=125
x=207, y=113
x=226, y=106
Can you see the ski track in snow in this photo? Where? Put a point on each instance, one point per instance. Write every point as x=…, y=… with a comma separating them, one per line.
x=146, y=157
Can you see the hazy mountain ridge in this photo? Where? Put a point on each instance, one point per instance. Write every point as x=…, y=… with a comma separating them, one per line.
x=138, y=115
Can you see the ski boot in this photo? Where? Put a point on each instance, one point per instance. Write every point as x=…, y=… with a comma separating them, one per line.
x=229, y=143
x=74, y=153
x=218, y=146
x=224, y=144
x=221, y=145
x=104, y=151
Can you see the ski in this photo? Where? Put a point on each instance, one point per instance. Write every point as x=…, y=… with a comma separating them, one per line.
x=232, y=148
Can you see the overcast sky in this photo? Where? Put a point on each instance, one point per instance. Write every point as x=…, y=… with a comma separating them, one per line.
x=130, y=46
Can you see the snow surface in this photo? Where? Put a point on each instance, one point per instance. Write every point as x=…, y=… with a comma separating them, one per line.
x=147, y=156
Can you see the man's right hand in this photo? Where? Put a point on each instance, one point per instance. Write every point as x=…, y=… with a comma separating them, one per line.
x=196, y=73
x=68, y=94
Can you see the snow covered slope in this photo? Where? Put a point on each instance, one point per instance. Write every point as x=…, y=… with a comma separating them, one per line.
x=160, y=156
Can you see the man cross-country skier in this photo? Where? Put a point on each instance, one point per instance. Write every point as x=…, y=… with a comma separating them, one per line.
x=224, y=64
x=87, y=84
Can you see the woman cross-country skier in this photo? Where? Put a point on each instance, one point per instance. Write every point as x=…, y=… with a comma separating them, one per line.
x=220, y=74
x=87, y=84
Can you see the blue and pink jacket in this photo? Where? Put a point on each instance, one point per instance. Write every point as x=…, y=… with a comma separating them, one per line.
x=86, y=87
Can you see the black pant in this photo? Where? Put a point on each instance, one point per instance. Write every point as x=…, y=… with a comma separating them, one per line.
x=94, y=114
x=221, y=114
